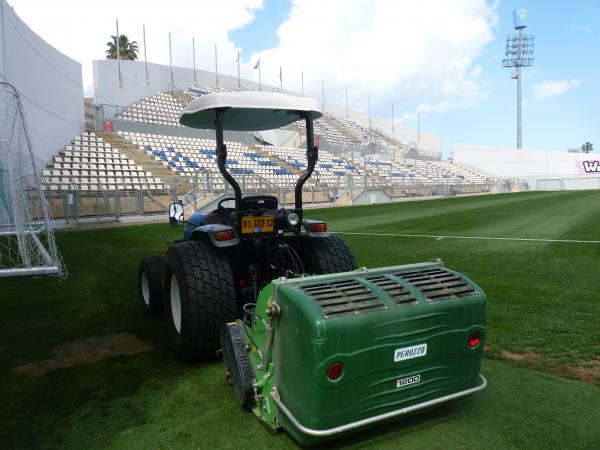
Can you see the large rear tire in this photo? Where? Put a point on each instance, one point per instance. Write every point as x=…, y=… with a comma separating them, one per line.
x=325, y=255
x=200, y=297
x=150, y=284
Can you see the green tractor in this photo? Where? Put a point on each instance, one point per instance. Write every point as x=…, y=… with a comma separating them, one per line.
x=310, y=343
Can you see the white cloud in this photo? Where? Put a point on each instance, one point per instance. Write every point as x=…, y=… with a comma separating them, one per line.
x=411, y=53
x=552, y=88
x=81, y=29
x=580, y=29
x=419, y=55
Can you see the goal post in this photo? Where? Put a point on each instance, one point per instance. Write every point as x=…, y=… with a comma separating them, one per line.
x=27, y=245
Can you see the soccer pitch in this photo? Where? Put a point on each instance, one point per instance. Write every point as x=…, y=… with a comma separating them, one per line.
x=536, y=255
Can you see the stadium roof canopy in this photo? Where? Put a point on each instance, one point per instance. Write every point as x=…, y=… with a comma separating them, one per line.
x=248, y=111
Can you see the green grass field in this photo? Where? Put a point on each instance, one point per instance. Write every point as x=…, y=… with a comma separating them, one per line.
x=543, y=340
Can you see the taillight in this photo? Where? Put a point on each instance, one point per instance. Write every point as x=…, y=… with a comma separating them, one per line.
x=474, y=339
x=225, y=235
x=318, y=227
x=335, y=371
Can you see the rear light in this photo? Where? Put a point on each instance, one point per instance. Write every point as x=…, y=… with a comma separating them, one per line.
x=225, y=235
x=475, y=339
x=318, y=227
x=335, y=371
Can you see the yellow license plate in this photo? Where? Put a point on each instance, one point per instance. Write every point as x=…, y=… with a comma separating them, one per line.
x=258, y=224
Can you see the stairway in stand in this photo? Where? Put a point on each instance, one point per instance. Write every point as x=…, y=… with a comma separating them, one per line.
x=133, y=152
x=182, y=97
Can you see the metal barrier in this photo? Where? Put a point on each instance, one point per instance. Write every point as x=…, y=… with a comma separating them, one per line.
x=105, y=205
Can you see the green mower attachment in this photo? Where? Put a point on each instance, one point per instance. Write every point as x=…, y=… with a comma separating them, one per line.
x=323, y=356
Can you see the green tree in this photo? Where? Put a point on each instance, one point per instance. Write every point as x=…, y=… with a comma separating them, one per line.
x=587, y=147
x=127, y=50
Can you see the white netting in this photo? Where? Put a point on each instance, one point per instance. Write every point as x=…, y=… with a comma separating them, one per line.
x=27, y=244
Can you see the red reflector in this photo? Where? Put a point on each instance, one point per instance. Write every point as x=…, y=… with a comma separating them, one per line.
x=318, y=227
x=335, y=371
x=474, y=340
x=225, y=235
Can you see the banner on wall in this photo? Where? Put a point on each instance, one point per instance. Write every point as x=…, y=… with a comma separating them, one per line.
x=588, y=166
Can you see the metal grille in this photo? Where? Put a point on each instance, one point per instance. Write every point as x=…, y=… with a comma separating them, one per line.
x=438, y=284
x=396, y=291
x=343, y=298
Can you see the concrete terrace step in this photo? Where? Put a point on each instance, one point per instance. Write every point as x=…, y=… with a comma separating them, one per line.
x=182, y=97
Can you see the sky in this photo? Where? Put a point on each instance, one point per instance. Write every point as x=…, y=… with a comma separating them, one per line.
x=439, y=58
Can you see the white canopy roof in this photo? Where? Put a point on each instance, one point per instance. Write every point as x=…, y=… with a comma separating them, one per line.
x=248, y=111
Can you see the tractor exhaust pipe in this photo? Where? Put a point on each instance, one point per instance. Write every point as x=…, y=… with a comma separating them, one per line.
x=312, y=154
x=221, y=153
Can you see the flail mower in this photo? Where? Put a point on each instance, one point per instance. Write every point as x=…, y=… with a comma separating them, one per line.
x=310, y=342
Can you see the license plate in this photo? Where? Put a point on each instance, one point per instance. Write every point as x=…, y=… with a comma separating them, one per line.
x=257, y=224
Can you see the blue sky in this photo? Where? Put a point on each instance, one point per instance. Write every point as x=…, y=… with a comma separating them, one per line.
x=567, y=50
x=261, y=33
x=567, y=47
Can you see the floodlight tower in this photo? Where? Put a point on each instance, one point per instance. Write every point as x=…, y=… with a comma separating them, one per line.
x=519, y=53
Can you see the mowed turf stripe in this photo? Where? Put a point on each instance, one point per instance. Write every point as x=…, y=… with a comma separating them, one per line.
x=562, y=215
x=490, y=238
x=520, y=408
x=381, y=215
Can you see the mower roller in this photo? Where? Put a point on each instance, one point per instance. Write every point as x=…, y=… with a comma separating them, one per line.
x=310, y=343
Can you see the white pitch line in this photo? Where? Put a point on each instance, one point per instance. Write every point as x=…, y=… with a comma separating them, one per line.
x=439, y=236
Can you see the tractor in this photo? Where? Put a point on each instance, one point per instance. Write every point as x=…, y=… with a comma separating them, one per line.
x=310, y=342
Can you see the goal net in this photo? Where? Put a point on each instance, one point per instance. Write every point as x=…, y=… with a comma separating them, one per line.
x=27, y=245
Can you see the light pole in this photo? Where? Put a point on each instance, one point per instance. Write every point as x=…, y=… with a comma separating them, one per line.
x=145, y=57
x=519, y=53
x=119, y=55
x=172, y=87
x=194, y=60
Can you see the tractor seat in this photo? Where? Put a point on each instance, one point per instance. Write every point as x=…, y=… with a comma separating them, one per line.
x=217, y=216
x=256, y=202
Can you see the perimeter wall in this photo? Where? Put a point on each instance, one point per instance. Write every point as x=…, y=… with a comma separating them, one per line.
x=49, y=83
x=541, y=169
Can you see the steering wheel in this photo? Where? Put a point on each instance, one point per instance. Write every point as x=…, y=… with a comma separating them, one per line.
x=224, y=211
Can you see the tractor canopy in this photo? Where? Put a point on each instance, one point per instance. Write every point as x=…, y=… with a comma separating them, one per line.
x=248, y=111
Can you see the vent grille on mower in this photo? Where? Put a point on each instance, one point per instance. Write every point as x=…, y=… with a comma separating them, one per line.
x=396, y=291
x=438, y=284
x=343, y=298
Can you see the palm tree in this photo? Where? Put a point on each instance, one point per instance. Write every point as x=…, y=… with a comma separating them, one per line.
x=587, y=147
x=127, y=50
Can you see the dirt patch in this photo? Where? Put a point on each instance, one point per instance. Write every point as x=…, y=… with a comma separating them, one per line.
x=590, y=373
x=86, y=351
x=528, y=356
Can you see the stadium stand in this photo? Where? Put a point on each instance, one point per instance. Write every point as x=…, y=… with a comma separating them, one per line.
x=279, y=166
x=165, y=108
x=162, y=108
x=179, y=162
x=163, y=166
x=424, y=171
x=90, y=163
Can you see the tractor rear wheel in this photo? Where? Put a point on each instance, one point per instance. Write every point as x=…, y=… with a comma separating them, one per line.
x=325, y=255
x=200, y=297
x=150, y=284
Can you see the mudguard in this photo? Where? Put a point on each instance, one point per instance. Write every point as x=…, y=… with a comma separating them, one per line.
x=210, y=231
